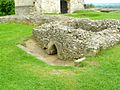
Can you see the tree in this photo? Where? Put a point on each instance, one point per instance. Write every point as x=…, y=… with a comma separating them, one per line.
x=7, y=7
x=89, y=6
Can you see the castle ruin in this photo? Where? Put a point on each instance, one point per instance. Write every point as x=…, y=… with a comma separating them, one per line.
x=24, y=7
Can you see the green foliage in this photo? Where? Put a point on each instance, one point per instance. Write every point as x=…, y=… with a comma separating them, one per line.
x=89, y=6
x=7, y=7
x=94, y=15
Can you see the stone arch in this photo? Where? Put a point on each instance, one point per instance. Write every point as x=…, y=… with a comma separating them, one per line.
x=52, y=48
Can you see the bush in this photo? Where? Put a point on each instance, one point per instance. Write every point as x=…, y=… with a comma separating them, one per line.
x=7, y=7
x=89, y=6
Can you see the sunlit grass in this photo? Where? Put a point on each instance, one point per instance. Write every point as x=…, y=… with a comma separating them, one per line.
x=94, y=15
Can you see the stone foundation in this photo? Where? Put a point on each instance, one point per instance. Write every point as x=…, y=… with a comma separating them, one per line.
x=76, y=38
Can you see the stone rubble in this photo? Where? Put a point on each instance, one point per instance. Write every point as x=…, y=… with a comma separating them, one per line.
x=33, y=19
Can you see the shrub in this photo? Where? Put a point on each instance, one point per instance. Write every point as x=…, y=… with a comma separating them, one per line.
x=89, y=6
x=7, y=7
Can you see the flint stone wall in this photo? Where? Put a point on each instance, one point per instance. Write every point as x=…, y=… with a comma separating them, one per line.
x=33, y=19
x=24, y=10
x=76, y=38
x=45, y=6
x=75, y=5
x=50, y=6
x=24, y=7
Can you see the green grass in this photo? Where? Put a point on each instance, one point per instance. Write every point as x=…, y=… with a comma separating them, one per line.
x=21, y=71
x=94, y=15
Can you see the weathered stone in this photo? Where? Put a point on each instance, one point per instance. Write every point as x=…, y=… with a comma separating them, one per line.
x=24, y=7
x=76, y=38
x=33, y=19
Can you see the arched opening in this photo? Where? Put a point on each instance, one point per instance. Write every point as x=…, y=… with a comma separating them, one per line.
x=64, y=6
x=52, y=50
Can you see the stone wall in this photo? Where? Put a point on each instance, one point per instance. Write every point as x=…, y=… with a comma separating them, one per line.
x=24, y=10
x=50, y=6
x=24, y=2
x=38, y=6
x=75, y=38
x=76, y=5
x=33, y=19
x=24, y=7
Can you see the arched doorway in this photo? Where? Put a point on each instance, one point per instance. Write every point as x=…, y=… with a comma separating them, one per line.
x=53, y=50
x=64, y=6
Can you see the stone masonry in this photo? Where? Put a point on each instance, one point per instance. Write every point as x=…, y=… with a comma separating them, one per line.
x=77, y=38
x=25, y=7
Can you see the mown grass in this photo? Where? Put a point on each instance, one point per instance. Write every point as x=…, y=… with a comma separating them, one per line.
x=21, y=71
x=94, y=15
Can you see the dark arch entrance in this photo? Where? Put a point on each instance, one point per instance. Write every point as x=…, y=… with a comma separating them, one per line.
x=64, y=6
x=52, y=49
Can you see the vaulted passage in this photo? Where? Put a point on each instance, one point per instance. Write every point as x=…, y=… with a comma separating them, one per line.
x=52, y=50
x=64, y=6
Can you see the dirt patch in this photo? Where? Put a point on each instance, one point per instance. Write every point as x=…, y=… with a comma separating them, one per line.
x=62, y=72
x=94, y=63
x=31, y=47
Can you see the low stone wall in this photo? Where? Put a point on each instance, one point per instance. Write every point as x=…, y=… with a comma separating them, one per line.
x=33, y=19
x=75, y=38
x=107, y=10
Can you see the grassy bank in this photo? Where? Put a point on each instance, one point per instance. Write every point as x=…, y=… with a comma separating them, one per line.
x=94, y=15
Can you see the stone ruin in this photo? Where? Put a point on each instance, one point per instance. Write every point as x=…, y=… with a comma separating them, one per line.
x=77, y=38
x=27, y=7
x=69, y=38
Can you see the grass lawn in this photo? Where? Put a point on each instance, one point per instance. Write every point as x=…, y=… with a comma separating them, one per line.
x=94, y=15
x=21, y=71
